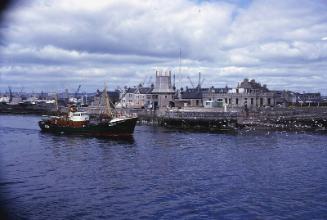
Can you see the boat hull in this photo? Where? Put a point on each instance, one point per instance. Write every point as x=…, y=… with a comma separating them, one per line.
x=123, y=127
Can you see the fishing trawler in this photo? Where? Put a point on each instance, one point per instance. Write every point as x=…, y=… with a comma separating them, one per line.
x=107, y=123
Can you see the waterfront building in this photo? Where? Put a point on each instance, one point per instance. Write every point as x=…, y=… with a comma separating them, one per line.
x=288, y=98
x=144, y=97
x=308, y=98
x=212, y=97
x=285, y=98
x=137, y=97
x=127, y=98
x=163, y=92
x=189, y=97
x=248, y=93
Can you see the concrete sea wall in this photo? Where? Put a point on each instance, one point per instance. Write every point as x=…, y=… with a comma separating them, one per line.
x=294, y=119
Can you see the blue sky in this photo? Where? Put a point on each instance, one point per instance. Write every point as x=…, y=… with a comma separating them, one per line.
x=57, y=44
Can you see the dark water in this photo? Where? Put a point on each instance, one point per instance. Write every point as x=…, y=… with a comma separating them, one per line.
x=161, y=174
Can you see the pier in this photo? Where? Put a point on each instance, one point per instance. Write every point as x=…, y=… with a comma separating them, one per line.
x=305, y=118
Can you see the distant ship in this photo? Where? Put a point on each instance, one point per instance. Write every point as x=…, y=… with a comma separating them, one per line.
x=107, y=123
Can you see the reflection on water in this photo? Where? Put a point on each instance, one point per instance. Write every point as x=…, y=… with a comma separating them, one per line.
x=161, y=173
x=76, y=139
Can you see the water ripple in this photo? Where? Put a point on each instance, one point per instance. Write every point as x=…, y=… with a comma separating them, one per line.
x=162, y=174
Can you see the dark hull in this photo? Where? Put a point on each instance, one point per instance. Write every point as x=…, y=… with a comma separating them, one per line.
x=119, y=128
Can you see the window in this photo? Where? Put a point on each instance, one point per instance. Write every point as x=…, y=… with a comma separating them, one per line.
x=269, y=101
x=236, y=101
x=251, y=101
x=226, y=100
x=261, y=101
x=230, y=101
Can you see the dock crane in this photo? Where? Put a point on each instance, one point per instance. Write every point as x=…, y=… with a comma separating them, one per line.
x=191, y=81
x=77, y=91
x=200, y=82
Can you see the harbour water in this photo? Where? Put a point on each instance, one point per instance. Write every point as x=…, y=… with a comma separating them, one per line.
x=161, y=174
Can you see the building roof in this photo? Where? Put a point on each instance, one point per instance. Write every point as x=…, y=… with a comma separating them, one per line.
x=215, y=90
x=191, y=94
x=253, y=85
x=145, y=90
x=131, y=90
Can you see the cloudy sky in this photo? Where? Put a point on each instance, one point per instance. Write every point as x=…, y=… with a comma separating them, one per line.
x=56, y=44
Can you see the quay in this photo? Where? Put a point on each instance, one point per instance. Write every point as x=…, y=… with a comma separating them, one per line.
x=291, y=119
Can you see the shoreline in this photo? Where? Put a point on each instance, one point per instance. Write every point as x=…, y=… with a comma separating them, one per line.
x=274, y=119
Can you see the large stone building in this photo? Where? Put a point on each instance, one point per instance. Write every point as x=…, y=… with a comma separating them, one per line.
x=163, y=92
x=159, y=95
x=289, y=98
x=137, y=97
x=248, y=94
x=189, y=97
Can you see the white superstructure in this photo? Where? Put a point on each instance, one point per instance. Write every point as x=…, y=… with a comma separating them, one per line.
x=78, y=116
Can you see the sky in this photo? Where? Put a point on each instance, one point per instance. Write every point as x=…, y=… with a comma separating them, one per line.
x=52, y=45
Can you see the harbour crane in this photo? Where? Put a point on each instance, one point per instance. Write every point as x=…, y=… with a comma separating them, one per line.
x=191, y=81
x=77, y=91
x=200, y=81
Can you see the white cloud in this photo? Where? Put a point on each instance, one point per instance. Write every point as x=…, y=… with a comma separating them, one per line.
x=80, y=42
